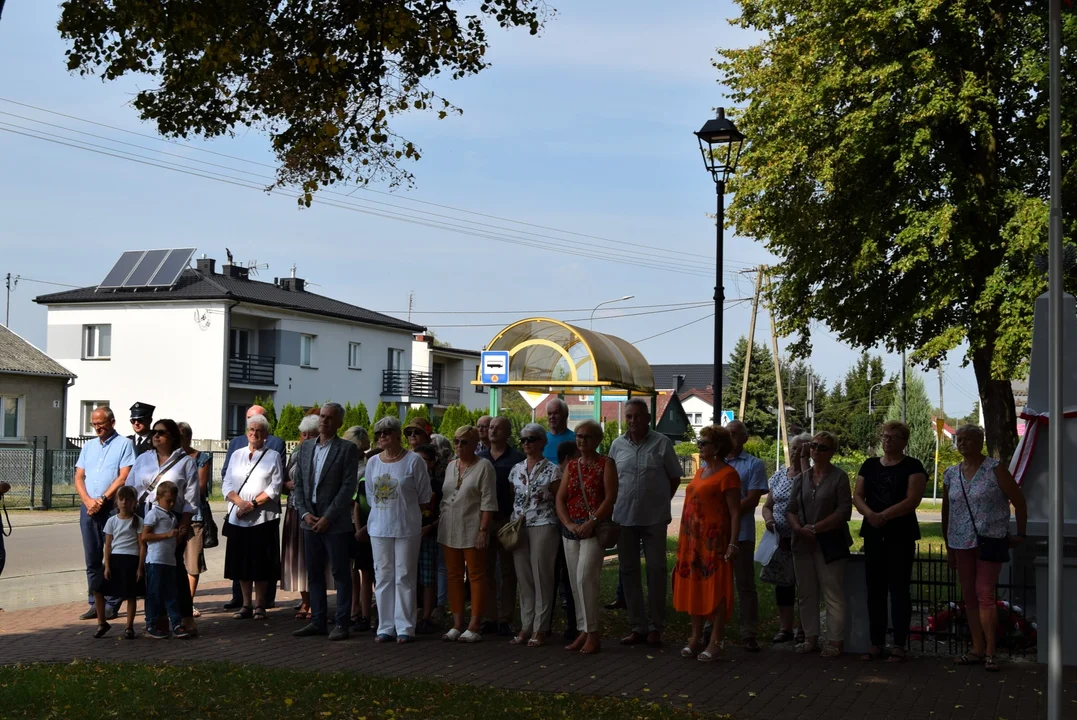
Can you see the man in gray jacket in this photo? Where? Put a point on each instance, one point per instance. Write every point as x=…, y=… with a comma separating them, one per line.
x=325, y=480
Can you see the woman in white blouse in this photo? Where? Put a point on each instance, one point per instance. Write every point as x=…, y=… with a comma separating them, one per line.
x=534, y=482
x=169, y=461
x=252, y=487
x=468, y=504
x=397, y=486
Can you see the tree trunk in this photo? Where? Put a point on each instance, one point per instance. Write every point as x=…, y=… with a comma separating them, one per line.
x=1000, y=415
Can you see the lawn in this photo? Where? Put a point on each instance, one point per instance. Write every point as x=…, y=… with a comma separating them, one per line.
x=228, y=691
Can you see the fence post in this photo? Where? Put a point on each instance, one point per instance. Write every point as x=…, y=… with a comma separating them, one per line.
x=33, y=471
x=46, y=478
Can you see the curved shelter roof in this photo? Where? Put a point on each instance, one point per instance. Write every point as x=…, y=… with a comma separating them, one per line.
x=545, y=353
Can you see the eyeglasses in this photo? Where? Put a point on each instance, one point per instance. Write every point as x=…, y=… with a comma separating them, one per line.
x=383, y=433
x=528, y=439
x=592, y=438
x=413, y=431
x=820, y=447
x=159, y=433
x=703, y=443
x=461, y=441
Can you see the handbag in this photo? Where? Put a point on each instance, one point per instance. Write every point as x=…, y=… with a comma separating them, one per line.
x=766, y=548
x=835, y=543
x=779, y=571
x=509, y=533
x=991, y=549
x=140, y=506
x=226, y=527
x=607, y=532
x=210, y=533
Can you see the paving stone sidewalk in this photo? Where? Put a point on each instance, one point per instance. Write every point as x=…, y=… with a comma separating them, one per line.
x=772, y=685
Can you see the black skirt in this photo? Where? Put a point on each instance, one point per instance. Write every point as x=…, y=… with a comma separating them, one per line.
x=253, y=553
x=124, y=582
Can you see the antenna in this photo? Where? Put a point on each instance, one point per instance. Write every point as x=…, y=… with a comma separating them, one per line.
x=253, y=267
x=411, y=302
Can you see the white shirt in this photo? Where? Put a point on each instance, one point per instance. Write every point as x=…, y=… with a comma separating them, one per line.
x=395, y=491
x=184, y=473
x=321, y=452
x=266, y=478
x=158, y=521
x=124, y=534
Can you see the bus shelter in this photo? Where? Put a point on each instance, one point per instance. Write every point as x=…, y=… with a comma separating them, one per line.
x=550, y=356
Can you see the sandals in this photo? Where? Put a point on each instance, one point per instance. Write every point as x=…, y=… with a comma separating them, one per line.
x=520, y=639
x=690, y=650
x=896, y=655
x=452, y=635
x=873, y=653
x=830, y=651
x=382, y=638
x=404, y=639
x=244, y=613
x=969, y=658
x=708, y=656
x=101, y=630
x=301, y=614
x=990, y=665
x=806, y=647
x=259, y=613
x=470, y=637
x=591, y=648
x=129, y=634
x=536, y=641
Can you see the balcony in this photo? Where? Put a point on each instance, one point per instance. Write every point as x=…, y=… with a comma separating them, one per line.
x=448, y=395
x=252, y=370
x=414, y=386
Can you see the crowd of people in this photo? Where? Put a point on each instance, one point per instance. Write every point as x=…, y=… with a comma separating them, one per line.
x=417, y=523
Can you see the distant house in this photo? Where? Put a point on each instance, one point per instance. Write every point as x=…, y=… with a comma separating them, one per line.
x=672, y=420
x=451, y=371
x=688, y=376
x=699, y=406
x=33, y=394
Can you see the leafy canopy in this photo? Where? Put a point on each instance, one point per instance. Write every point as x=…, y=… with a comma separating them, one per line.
x=323, y=78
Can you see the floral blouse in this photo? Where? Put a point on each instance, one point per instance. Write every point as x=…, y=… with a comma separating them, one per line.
x=781, y=487
x=988, y=504
x=593, y=479
x=533, y=498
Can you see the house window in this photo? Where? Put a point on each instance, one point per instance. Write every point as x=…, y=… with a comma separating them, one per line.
x=10, y=417
x=237, y=418
x=353, y=356
x=88, y=406
x=306, y=350
x=240, y=343
x=396, y=359
x=96, y=342
x=480, y=388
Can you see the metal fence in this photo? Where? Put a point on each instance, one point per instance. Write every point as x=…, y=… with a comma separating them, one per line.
x=23, y=468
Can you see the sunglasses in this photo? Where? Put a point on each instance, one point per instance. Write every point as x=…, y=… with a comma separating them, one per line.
x=528, y=439
x=820, y=447
x=703, y=443
x=414, y=431
x=140, y=421
x=159, y=433
x=460, y=441
x=383, y=433
x=587, y=437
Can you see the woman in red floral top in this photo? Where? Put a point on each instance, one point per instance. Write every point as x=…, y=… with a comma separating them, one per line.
x=583, y=499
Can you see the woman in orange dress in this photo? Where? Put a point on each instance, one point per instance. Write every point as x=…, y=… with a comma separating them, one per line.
x=710, y=522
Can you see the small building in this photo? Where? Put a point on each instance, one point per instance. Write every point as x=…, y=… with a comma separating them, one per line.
x=451, y=371
x=33, y=394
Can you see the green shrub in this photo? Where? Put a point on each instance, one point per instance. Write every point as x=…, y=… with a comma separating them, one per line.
x=685, y=448
x=355, y=415
x=611, y=433
x=455, y=416
x=384, y=409
x=288, y=424
x=271, y=413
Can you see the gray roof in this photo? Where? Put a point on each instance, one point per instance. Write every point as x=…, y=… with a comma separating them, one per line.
x=19, y=356
x=195, y=285
x=697, y=376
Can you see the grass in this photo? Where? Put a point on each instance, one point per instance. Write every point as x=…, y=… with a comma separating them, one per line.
x=219, y=690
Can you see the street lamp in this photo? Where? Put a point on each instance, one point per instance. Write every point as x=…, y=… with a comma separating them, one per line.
x=607, y=302
x=720, y=144
x=871, y=407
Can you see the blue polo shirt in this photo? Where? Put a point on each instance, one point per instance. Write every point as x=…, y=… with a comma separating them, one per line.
x=554, y=441
x=753, y=476
x=101, y=461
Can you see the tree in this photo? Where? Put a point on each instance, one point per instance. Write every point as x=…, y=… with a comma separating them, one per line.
x=973, y=418
x=288, y=425
x=322, y=78
x=762, y=390
x=610, y=433
x=897, y=165
x=355, y=415
x=918, y=417
x=456, y=416
x=417, y=412
x=271, y=413
x=385, y=409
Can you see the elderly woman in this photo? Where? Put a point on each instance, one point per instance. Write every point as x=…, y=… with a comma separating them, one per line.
x=361, y=551
x=397, y=488
x=534, y=483
x=818, y=515
x=169, y=461
x=586, y=496
x=252, y=487
x=888, y=491
x=710, y=525
x=975, y=523
x=293, y=576
x=469, y=501
x=781, y=487
x=194, y=557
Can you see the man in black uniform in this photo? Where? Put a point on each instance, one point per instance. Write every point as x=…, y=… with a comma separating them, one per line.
x=141, y=422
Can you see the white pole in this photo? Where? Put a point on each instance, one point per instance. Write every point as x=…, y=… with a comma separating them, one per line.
x=935, y=485
x=1054, y=302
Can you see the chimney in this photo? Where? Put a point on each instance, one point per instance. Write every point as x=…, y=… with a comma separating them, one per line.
x=291, y=284
x=235, y=271
x=680, y=383
x=206, y=265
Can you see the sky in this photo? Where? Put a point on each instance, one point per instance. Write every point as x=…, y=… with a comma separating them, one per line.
x=585, y=131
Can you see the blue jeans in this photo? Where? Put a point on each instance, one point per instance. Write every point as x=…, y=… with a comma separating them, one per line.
x=161, y=595
x=93, y=548
x=321, y=549
x=443, y=580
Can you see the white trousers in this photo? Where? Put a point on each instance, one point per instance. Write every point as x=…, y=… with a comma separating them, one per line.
x=584, y=559
x=535, y=558
x=396, y=568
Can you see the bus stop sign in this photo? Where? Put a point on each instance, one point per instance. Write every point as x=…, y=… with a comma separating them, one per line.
x=494, y=366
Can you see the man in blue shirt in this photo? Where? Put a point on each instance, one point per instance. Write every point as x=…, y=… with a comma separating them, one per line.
x=273, y=443
x=753, y=485
x=557, y=414
x=100, y=472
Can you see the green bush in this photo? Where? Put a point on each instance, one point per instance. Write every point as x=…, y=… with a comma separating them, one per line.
x=288, y=424
x=762, y=449
x=271, y=412
x=355, y=415
x=384, y=409
x=685, y=448
x=417, y=412
x=455, y=416
x=611, y=433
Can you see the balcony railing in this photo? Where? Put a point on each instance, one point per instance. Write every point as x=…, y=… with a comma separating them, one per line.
x=448, y=395
x=252, y=369
x=407, y=383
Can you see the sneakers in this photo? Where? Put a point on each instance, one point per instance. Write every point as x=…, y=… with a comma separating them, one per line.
x=156, y=634
x=361, y=624
x=783, y=636
x=90, y=614
x=339, y=633
x=180, y=633
x=308, y=630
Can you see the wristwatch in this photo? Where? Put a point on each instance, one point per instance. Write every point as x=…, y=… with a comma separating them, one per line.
x=103, y=498
x=812, y=528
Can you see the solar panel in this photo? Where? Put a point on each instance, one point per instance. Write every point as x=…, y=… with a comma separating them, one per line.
x=171, y=268
x=121, y=269
x=146, y=268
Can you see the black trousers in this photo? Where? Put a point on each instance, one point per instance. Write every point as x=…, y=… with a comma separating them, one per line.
x=889, y=572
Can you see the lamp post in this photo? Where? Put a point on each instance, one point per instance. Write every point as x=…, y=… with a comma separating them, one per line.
x=607, y=302
x=871, y=406
x=720, y=144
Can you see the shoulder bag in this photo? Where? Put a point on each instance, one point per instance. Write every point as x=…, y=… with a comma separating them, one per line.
x=991, y=549
x=509, y=534
x=835, y=543
x=226, y=526
x=607, y=532
x=140, y=507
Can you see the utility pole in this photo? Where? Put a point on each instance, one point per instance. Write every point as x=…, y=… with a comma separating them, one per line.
x=938, y=439
x=778, y=379
x=10, y=283
x=411, y=302
x=904, y=395
x=751, y=341
x=809, y=406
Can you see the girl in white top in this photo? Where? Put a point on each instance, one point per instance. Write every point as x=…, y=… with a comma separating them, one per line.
x=397, y=486
x=123, y=562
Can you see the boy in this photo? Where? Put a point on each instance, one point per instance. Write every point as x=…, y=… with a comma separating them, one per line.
x=159, y=555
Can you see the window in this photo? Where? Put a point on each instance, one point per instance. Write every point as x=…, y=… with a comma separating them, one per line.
x=96, y=342
x=480, y=388
x=10, y=417
x=353, y=356
x=306, y=351
x=240, y=343
x=396, y=359
x=237, y=418
x=88, y=406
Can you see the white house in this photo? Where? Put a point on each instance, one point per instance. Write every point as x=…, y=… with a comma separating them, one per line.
x=452, y=370
x=202, y=348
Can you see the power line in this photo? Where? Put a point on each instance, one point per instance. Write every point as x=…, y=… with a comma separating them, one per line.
x=581, y=319
x=48, y=282
x=666, y=332
x=541, y=312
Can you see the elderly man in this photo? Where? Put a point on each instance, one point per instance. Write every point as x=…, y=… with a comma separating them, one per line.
x=504, y=457
x=273, y=443
x=141, y=422
x=100, y=472
x=325, y=481
x=753, y=485
x=483, y=426
x=647, y=472
x=557, y=415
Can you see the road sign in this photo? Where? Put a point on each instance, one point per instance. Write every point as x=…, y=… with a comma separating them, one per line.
x=494, y=367
x=533, y=399
x=727, y=417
